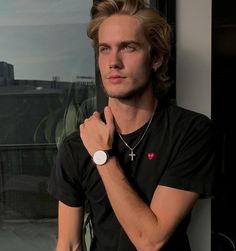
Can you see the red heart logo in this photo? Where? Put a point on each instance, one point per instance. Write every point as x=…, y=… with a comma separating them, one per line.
x=151, y=156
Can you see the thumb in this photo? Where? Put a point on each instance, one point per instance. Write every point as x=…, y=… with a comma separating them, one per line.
x=109, y=118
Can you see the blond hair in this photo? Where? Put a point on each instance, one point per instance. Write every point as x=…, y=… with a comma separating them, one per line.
x=156, y=29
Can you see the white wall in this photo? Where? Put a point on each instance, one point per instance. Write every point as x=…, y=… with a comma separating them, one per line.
x=193, y=89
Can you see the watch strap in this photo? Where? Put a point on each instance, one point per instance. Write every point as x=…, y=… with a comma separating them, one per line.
x=110, y=153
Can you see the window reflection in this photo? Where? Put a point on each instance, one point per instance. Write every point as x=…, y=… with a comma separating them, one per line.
x=47, y=88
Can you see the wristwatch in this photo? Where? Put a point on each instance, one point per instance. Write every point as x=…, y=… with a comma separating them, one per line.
x=101, y=157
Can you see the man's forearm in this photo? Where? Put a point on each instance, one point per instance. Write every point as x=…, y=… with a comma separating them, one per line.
x=137, y=219
x=68, y=247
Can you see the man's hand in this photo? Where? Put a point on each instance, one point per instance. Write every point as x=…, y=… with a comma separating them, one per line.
x=97, y=135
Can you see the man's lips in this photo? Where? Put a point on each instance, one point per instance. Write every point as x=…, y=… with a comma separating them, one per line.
x=116, y=78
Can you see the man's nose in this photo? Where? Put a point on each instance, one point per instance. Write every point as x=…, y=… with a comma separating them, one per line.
x=115, y=60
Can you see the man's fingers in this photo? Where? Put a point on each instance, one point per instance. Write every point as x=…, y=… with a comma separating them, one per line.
x=109, y=118
x=96, y=114
x=108, y=115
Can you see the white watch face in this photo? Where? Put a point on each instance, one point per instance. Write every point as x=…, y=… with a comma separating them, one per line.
x=100, y=157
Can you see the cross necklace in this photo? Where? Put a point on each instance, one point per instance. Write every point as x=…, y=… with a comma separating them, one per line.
x=132, y=154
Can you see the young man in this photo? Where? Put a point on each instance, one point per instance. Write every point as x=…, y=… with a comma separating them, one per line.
x=142, y=165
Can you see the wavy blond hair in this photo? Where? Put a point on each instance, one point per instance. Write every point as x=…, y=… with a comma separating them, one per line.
x=156, y=29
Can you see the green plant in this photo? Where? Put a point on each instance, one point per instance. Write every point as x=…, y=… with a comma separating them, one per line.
x=61, y=122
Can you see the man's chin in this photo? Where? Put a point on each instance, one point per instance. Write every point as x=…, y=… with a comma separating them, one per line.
x=124, y=97
x=128, y=94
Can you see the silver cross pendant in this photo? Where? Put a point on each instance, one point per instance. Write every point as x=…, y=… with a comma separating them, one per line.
x=132, y=155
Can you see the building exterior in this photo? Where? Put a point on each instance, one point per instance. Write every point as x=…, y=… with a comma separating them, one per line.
x=6, y=72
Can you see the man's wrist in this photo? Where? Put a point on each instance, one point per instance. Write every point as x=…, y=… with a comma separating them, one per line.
x=101, y=157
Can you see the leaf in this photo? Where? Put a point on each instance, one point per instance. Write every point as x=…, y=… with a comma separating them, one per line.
x=70, y=119
x=59, y=132
x=50, y=125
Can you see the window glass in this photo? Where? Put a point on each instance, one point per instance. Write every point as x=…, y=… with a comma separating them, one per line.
x=47, y=88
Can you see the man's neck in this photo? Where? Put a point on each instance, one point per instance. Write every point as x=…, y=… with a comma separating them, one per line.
x=130, y=116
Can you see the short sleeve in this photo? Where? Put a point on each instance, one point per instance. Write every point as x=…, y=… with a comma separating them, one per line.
x=194, y=165
x=64, y=183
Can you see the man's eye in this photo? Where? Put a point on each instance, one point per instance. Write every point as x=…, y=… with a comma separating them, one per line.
x=129, y=48
x=103, y=49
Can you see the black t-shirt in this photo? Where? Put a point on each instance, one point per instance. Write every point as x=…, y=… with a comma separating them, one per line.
x=177, y=151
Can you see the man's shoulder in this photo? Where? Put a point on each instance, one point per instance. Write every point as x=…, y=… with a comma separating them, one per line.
x=74, y=136
x=73, y=141
x=73, y=149
x=179, y=113
x=183, y=120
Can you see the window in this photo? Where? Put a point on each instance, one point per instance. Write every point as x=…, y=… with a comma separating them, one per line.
x=47, y=87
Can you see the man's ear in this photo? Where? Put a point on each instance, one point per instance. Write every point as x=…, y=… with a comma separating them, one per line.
x=157, y=62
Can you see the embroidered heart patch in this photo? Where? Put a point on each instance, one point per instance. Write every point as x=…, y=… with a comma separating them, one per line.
x=151, y=156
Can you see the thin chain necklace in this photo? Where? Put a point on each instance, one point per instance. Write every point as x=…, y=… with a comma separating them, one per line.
x=132, y=154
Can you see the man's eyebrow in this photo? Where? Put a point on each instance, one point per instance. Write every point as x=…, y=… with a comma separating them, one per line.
x=130, y=42
x=103, y=44
x=122, y=43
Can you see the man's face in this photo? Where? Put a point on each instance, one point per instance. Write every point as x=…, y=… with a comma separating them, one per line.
x=124, y=57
